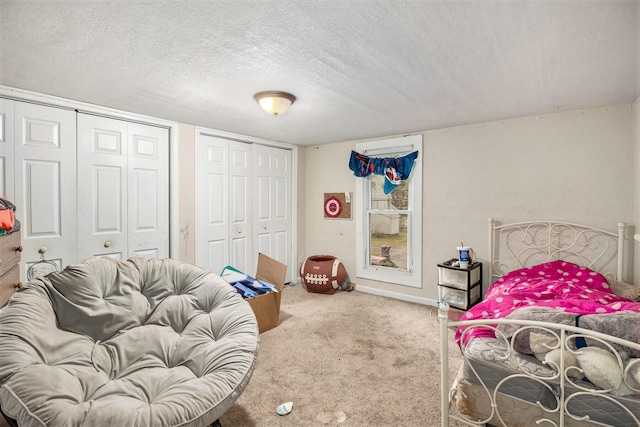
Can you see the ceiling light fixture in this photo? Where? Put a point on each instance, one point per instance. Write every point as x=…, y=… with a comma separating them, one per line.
x=274, y=102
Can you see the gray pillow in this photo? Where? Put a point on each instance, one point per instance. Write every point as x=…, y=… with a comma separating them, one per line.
x=625, y=290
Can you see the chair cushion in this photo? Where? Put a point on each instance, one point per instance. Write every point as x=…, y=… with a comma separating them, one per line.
x=125, y=343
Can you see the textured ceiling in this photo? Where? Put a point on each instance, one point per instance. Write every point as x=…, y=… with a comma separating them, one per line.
x=359, y=68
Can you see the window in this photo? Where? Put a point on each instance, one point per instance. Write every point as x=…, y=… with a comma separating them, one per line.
x=389, y=226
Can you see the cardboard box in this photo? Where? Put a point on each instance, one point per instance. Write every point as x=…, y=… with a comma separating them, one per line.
x=266, y=307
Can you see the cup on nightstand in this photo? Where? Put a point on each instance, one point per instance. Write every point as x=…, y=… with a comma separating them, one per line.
x=464, y=256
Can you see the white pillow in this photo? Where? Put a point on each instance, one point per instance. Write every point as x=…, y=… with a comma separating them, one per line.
x=553, y=359
x=541, y=343
x=634, y=372
x=600, y=367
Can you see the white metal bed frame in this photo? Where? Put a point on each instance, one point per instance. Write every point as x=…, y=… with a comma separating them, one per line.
x=524, y=244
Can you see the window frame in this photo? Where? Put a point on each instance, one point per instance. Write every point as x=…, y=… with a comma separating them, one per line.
x=413, y=275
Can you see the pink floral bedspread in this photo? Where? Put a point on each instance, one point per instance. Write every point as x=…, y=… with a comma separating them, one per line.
x=557, y=284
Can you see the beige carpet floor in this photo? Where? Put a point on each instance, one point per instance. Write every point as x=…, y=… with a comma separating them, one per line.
x=348, y=359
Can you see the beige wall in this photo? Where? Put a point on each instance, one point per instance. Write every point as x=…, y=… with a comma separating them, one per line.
x=327, y=171
x=636, y=192
x=301, y=207
x=186, y=195
x=574, y=166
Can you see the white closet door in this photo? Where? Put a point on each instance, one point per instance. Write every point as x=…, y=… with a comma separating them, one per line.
x=241, y=222
x=243, y=204
x=7, y=151
x=212, y=203
x=148, y=193
x=123, y=188
x=45, y=182
x=273, y=226
x=102, y=187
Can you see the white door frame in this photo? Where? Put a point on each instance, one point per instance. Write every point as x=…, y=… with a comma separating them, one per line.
x=52, y=101
x=291, y=269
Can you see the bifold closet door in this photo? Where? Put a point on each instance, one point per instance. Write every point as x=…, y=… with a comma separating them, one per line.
x=123, y=189
x=223, y=205
x=45, y=183
x=272, y=178
x=212, y=207
x=240, y=219
x=148, y=195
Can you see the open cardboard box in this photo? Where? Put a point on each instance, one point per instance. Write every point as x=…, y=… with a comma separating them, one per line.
x=266, y=307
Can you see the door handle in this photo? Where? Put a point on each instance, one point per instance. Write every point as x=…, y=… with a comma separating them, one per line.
x=108, y=243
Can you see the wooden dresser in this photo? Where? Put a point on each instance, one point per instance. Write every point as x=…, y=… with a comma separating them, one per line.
x=10, y=251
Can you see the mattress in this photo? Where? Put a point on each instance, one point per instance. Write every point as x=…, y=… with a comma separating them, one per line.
x=522, y=399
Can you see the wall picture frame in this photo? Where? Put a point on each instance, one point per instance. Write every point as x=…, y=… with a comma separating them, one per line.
x=337, y=205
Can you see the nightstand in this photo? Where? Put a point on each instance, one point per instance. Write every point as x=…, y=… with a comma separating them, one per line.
x=461, y=288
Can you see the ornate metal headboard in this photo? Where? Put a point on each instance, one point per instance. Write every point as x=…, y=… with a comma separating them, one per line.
x=524, y=244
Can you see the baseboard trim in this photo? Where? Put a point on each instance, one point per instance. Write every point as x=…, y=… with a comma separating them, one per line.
x=397, y=295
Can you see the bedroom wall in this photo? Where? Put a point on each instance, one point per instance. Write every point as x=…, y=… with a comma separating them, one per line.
x=636, y=198
x=187, y=193
x=576, y=166
x=301, y=207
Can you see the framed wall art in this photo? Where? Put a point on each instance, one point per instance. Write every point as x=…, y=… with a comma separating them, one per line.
x=337, y=205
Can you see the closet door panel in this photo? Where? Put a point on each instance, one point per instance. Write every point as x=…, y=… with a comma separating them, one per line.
x=124, y=179
x=148, y=200
x=263, y=241
x=281, y=244
x=145, y=191
x=241, y=257
x=102, y=187
x=263, y=184
x=42, y=198
x=243, y=204
x=223, y=205
x=212, y=203
x=217, y=251
x=241, y=224
x=216, y=212
x=272, y=177
x=280, y=211
x=84, y=185
x=240, y=253
x=45, y=183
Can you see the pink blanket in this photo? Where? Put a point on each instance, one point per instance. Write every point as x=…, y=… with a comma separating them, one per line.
x=557, y=284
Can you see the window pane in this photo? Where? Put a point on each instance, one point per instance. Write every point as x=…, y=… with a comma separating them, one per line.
x=388, y=240
x=397, y=199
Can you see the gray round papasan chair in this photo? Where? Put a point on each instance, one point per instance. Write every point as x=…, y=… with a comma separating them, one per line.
x=125, y=343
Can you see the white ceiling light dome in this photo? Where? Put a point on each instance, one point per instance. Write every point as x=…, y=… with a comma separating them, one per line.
x=274, y=102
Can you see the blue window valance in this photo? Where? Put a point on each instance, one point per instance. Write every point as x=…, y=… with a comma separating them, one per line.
x=394, y=169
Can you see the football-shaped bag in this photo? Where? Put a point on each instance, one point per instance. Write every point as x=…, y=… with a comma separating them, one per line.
x=323, y=274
